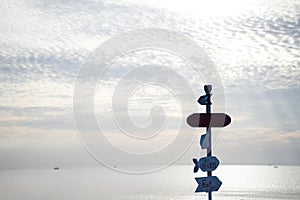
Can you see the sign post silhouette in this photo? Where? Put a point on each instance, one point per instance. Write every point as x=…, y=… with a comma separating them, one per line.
x=209, y=163
x=207, y=89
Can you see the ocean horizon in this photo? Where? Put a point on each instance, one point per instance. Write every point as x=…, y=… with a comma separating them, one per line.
x=239, y=182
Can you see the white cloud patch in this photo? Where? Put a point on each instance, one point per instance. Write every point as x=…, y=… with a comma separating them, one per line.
x=256, y=51
x=284, y=138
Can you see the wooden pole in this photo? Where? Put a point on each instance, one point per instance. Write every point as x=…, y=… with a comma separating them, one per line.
x=207, y=89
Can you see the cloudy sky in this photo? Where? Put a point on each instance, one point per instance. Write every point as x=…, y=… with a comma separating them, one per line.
x=254, y=45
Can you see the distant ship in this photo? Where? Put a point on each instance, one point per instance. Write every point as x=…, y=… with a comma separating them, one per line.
x=56, y=168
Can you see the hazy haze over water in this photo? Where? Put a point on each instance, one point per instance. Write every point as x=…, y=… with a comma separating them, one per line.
x=177, y=182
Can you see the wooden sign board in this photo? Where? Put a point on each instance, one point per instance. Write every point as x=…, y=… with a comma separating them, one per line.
x=208, y=120
x=208, y=184
x=208, y=163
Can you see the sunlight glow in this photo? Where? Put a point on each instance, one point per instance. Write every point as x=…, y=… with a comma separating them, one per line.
x=201, y=7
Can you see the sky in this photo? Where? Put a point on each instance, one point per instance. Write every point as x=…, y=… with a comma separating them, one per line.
x=255, y=48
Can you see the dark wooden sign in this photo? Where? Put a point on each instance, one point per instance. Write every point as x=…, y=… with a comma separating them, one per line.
x=208, y=120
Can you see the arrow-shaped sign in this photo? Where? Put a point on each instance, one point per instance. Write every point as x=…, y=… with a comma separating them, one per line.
x=208, y=120
x=204, y=141
x=208, y=184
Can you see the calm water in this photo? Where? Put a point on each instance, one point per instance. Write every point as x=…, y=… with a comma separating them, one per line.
x=176, y=182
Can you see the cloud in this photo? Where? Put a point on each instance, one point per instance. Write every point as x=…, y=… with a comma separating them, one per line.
x=43, y=45
x=284, y=138
x=58, y=35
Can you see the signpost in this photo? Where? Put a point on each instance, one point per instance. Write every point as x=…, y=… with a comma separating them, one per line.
x=206, y=164
x=208, y=120
x=204, y=141
x=210, y=163
x=208, y=184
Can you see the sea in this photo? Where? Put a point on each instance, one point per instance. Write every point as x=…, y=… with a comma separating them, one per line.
x=239, y=182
